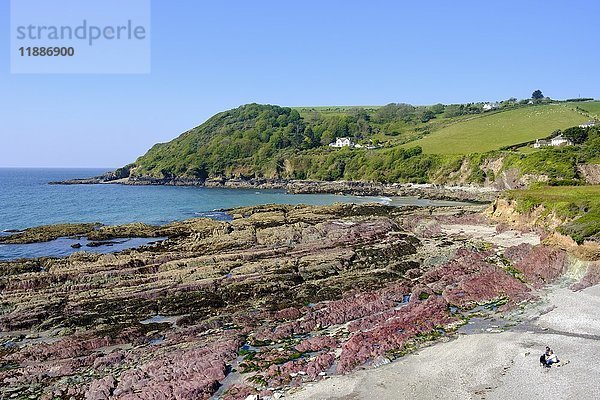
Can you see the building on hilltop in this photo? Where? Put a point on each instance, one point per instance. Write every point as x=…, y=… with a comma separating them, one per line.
x=347, y=142
x=556, y=141
x=342, y=142
x=560, y=140
x=491, y=106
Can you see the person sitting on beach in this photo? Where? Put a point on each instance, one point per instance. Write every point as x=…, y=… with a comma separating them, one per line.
x=551, y=358
x=544, y=356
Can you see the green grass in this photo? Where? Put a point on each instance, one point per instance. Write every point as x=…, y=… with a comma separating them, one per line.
x=578, y=204
x=489, y=132
x=527, y=150
x=592, y=107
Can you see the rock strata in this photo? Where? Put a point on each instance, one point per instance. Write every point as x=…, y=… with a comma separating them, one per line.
x=277, y=297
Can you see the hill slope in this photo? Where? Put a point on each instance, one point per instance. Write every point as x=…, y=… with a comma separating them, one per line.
x=489, y=132
x=250, y=131
x=440, y=143
x=592, y=107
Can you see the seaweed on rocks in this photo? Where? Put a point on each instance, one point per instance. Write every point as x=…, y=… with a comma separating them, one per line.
x=286, y=294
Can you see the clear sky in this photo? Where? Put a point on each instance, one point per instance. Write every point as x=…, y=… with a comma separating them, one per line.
x=208, y=56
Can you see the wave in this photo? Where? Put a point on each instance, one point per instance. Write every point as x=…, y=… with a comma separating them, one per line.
x=385, y=200
x=217, y=215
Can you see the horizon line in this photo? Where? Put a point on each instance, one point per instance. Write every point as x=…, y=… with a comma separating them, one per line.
x=53, y=167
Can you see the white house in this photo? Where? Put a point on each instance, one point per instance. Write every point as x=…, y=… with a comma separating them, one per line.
x=541, y=143
x=342, y=142
x=491, y=106
x=559, y=140
x=588, y=124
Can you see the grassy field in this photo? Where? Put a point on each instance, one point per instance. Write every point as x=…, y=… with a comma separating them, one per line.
x=493, y=131
x=593, y=107
x=580, y=203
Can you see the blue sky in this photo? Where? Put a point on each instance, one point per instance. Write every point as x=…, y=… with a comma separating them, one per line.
x=211, y=56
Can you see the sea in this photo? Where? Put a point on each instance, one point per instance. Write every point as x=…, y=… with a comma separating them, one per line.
x=27, y=200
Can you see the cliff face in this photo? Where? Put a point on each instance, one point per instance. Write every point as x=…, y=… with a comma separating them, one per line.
x=507, y=212
x=583, y=259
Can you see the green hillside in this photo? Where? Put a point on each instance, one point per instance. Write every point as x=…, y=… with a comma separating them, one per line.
x=248, y=135
x=493, y=131
x=592, y=107
x=256, y=139
x=400, y=143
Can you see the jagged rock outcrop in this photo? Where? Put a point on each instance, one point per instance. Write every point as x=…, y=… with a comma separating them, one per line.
x=287, y=294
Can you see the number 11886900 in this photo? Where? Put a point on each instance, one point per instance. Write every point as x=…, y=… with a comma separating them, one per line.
x=46, y=51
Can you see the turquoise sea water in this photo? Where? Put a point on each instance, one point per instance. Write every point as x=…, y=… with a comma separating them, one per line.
x=26, y=200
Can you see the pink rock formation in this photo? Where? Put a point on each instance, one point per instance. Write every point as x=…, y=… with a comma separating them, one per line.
x=289, y=314
x=316, y=343
x=489, y=283
x=367, y=296
x=186, y=374
x=517, y=253
x=392, y=331
x=541, y=264
x=101, y=389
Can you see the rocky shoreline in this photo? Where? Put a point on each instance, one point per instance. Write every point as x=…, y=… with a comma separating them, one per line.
x=494, y=358
x=355, y=188
x=274, y=299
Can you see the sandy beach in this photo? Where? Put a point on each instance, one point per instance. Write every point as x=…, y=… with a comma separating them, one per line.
x=486, y=365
